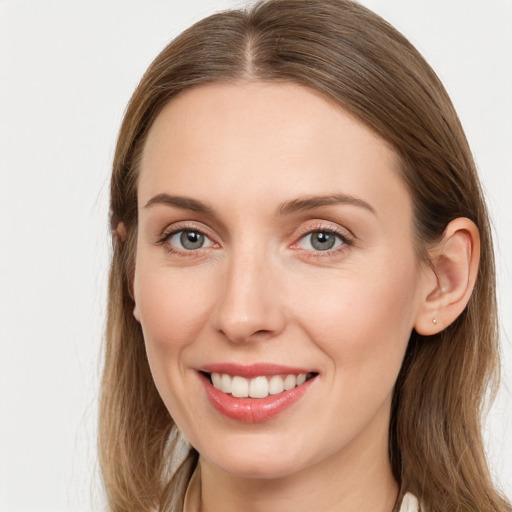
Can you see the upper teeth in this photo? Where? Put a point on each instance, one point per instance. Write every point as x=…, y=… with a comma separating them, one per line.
x=258, y=387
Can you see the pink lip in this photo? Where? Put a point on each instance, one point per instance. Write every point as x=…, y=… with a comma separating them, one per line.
x=253, y=410
x=253, y=370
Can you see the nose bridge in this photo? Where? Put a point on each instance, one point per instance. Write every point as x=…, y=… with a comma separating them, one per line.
x=248, y=307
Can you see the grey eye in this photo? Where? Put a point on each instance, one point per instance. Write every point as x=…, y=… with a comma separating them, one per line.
x=189, y=240
x=321, y=241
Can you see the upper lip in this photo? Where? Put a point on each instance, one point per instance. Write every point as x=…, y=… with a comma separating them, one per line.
x=253, y=370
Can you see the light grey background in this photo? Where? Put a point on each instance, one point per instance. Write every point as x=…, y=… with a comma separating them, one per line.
x=67, y=69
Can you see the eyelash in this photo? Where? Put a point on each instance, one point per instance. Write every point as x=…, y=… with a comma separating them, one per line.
x=346, y=241
x=169, y=233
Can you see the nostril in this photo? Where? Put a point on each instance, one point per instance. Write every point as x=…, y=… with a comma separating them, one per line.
x=244, y=333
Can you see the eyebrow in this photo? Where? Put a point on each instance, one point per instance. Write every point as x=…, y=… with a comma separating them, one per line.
x=295, y=205
x=312, y=202
x=185, y=203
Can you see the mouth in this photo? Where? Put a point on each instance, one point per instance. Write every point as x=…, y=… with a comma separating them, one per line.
x=260, y=386
x=256, y=393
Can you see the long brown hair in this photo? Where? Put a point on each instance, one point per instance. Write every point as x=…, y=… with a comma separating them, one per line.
x=355, y=58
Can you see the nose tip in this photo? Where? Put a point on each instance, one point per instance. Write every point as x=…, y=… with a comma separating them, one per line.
x=249, y=306
x=244, y=329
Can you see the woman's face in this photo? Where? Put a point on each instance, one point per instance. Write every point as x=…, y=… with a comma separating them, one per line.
x=275, y=244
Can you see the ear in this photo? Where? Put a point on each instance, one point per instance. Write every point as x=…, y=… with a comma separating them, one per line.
x=136, y=313
x=450, y=279
x=120, y=235
x=120, y=232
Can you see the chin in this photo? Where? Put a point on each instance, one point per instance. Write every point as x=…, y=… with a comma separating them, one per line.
x=259, y=465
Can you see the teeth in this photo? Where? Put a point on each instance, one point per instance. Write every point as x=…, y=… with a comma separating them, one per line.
x=217, y=380
x=258, y=387
x=301, y=379
x=239, y=387
x=225, y=383
x=276, y=385
x=290, y=382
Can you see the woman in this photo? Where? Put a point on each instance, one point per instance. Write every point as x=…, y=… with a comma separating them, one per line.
x=302, y=283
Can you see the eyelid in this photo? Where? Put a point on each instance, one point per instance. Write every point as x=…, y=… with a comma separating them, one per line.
x=320, y=225
x=346, y=236
x=177, y=227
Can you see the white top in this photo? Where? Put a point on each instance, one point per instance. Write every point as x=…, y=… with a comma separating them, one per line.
x=410, y=503
x=193, y=498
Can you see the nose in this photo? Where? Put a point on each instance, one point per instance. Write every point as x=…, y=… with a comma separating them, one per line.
x=250, y=303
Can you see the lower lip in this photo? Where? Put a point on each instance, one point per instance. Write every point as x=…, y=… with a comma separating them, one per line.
x=253, y=410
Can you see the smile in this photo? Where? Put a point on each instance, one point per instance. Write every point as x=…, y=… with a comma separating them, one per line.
x=257, y=387
x=257, y=393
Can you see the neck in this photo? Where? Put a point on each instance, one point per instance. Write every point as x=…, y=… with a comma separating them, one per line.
x=358, y=478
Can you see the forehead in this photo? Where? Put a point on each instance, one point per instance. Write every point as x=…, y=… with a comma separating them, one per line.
x=225, y=141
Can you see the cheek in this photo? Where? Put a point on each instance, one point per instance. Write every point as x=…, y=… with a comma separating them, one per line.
x=362, y=325
x=363, y=321
x=172, y=308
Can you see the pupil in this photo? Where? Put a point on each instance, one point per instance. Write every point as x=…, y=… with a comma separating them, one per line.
x=191, y=240
x=322, y=241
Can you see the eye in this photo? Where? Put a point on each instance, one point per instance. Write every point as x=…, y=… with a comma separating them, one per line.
x=321, y=241
x=189, y=240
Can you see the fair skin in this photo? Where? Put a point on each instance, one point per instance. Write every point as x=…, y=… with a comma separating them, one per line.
x=237, y=265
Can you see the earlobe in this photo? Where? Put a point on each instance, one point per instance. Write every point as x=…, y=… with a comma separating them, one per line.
x=120, y=232
x=136, y=313
x=451, y=278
